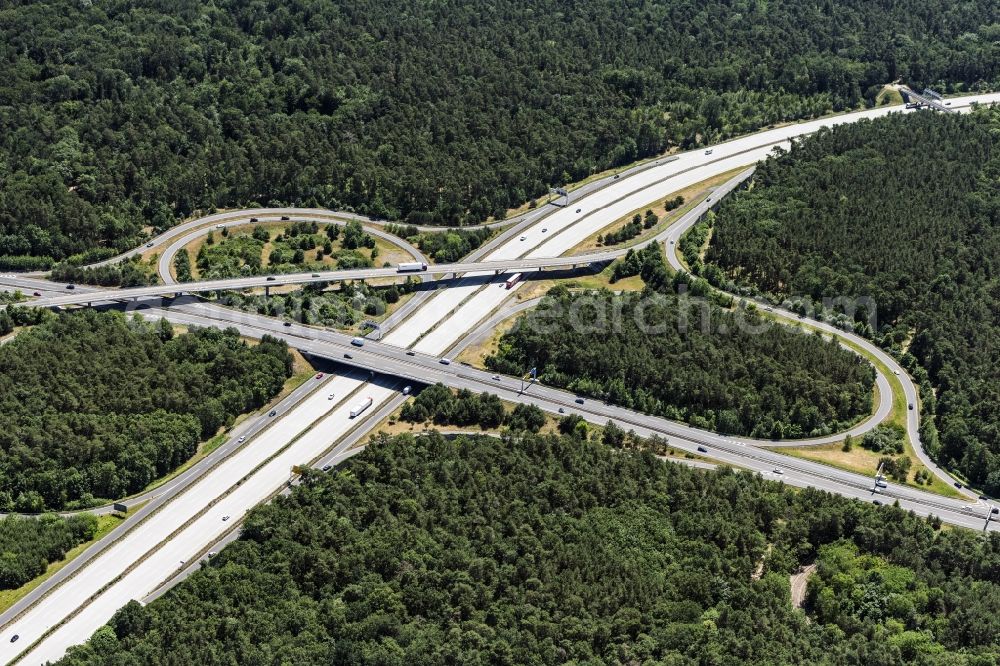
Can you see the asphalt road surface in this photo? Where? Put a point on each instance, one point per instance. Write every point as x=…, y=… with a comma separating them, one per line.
x=149, y=553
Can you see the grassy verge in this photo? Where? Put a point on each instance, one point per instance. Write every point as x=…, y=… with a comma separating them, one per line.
x=476, y=352
x=393, y=425
x=602, y=280
x=863, y=461
x=693, y=195
x=105, y=524
x=526, y=206
x=888, y=96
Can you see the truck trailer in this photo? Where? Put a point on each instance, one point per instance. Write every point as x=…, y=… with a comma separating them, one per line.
x=411, y=267
x=512, y=280
x=361, y=407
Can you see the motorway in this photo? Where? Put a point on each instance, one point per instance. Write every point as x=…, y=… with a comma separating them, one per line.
x=152, y=550
x=589, y=214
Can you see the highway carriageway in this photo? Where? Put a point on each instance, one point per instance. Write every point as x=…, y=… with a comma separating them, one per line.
x=426, y=369
x=86, y=298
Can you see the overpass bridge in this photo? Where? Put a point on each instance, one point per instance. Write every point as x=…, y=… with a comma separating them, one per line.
x=927, y=98
x=268, y=281
x=88, y=297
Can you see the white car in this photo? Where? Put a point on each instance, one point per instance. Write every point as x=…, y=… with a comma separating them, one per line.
x=524, y=238
x=895, y=372
x=329, y=397
x=544, y=229
x=242, y=439
x=778, y=471
x=225, y=518
x=496, y=378
x=708, y=152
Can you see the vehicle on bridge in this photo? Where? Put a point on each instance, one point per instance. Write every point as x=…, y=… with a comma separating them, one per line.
x=411, y=267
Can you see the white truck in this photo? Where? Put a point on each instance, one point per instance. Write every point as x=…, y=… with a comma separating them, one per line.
x=411, y=267
x=361, y=407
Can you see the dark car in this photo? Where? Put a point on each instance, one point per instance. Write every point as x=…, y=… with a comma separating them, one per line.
x=71, y=286
x=14, y=638
x=877, y=502
x=702, y=449
x=284, y=218
x=411, y=353
x=579, y=401
x=270, y=278
x=327, y=468
x=253, y=219
x=348, y=356
x=273, y=412
x=994, y=510
x=288, y=323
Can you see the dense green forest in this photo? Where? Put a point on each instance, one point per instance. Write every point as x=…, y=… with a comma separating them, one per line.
x=119, y=114
x=95, y=405
x=547, y=550
x=133, y=272
x=29, y=545
x=340, y=305
x=443, y=246
x=441, y=406
x=904, y=211
x=666, y=355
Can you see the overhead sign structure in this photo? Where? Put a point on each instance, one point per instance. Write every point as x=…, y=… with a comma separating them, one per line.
x=560, y=193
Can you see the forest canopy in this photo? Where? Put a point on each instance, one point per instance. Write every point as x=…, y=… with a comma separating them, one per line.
x=96, y=405
x=731, y=372
x=900, y=216
x=121, y=114
x=29, y=545
x=546, y=550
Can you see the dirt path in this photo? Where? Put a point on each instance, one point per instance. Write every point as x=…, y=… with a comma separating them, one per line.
x=798, y=581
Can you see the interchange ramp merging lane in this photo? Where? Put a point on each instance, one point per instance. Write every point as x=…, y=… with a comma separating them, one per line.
x=147, y=555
